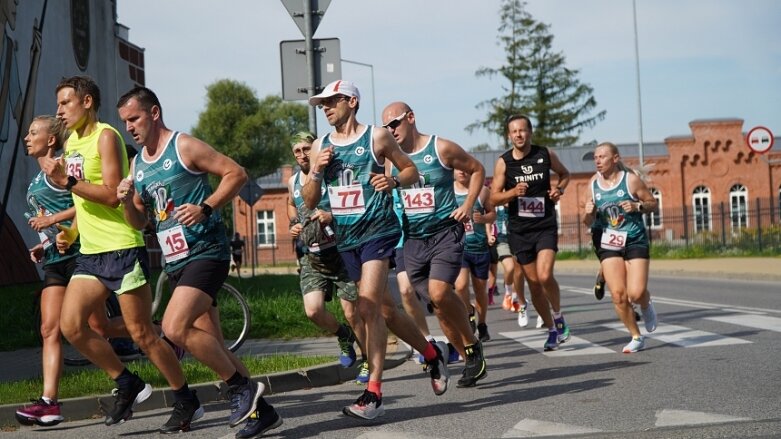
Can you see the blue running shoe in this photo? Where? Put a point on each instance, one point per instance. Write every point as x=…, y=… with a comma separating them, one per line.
x=552, y=343
x=347, y=355
x=452, y=356
x=363, y=374
x=244, y=401
x=259, y=423
x=562, y=329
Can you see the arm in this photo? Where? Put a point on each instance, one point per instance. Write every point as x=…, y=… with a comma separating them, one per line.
x=310, y=191
x=590, y=207
x=198, y=155
x=385, y=146
x=563, y=173
x=135, y=213
x=39, y=223
x=455, y=157
x=67, y=236
x=640, y=191
x=489, y=216
x=292, y=212
x=498, y=195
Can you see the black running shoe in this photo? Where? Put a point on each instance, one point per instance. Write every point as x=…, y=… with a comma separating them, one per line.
x=599, y=286
x=185, y=412
x=259, y=423
x=482, y=332
x=244, y=401
x=475, y=369
x=473, y=320
x=126, y=398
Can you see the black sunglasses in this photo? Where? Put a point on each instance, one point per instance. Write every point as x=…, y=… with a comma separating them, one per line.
x=396, y=121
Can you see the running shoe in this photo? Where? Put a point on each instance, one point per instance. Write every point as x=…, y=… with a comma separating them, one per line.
x=507, y=302
x=367, y=406
x=259, y=423
x=363, y=374
x=475, y=368
x=185, y=412
x=482, y=332
x=244, y=400
x=539, y=323
x=437, y=369
x=40, y=412
x=126, y=398
x=562, y=328
x=453, y=356
x=523, y=317
x=599, y=286
x=552, y=343
x=516, y=306
x=649, y=317
x=473, y=320
x=347, y=355
x=490, y=298
x=637, y=344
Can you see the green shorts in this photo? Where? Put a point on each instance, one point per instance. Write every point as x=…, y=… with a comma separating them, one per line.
x=313, y=280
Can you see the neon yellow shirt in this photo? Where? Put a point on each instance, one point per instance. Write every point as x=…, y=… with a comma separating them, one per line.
x=102, y=228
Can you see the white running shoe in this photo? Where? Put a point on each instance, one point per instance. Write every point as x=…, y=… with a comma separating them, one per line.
x=649, y=317
x=523, y=317
x=539, y=322
x=637, y=344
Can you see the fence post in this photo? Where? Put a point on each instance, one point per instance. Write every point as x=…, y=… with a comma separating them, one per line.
x=759, y=225
x=580, y=236
x=723, y=226
x=686, y=226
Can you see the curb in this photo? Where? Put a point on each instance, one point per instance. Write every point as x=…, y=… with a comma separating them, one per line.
x=89, y=407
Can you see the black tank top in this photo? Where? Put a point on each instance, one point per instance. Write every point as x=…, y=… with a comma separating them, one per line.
x=537, y=210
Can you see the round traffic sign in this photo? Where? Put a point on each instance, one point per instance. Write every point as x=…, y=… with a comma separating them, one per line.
x=760, y=139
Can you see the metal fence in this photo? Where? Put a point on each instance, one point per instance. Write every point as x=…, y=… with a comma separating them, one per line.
x=754, y=226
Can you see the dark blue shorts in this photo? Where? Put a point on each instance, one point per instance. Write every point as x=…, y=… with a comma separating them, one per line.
x=399, y=260
x=372, y=250
x=118, y=270
x=477, y=263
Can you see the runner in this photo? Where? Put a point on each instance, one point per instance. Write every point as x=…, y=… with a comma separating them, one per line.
x=351, y=161
x=522, y=180
x=478, y=236
x=619, y=199
x=169, y=186
x=433, y=222
x=513, y=279
x=237, y=251
x=322, y=270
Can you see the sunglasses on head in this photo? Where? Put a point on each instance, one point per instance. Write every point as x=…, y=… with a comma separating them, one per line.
x=396, y=121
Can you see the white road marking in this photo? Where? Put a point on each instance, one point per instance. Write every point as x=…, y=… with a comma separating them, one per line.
x=752, y=321
x=535, y=428
x=574, y=346
x=669, y=418
x=683, y=336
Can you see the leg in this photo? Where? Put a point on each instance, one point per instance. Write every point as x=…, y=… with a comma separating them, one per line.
x=371, y=288
x=51, y=304
x=545, y=260
x=614, y=271
x=539, y=299
x=314, y=306
x=411, y=303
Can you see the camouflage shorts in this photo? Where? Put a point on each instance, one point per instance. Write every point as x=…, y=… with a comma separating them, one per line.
x=313, y=280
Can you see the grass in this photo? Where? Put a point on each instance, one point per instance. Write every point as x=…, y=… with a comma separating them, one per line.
x=91, y=381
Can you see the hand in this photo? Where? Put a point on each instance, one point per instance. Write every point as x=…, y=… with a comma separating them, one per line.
x=591, y=208
x=520, y=189
x=189, y=214
x=322, y=216
x=54, y=168
x=323, y=159
x=477, y=217
x=65, y=238
x=381, y=182
x=39, y=223
x=295, y=230
x=554, y=194
x=630, y=206
x=491, y=240
x=36, y=254
x=125, y=190
x=461, y=214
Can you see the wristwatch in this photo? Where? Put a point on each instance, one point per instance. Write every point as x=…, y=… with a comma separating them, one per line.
x=71, y=182
x=561, y=191
x=206, y=209
x=396, y=181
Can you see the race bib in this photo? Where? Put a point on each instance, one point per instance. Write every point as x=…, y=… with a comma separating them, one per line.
x=347, y=200
x=531, y=207
x=613, y=240
x=45, y=240
x=74, y=166
x=418, y=200
x=469, y=228
x=173, y=244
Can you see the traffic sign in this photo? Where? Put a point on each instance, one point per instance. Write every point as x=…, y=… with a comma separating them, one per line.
x=760, y=139
x=328, y=66
x=296, y=10
x=251, y=192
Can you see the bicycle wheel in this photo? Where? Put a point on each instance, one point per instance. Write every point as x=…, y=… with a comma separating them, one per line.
x=233, y=311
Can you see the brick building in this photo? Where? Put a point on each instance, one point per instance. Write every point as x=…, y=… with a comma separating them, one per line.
x=707, y=182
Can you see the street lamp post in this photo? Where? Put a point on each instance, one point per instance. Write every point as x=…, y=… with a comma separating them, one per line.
x=374, y=102
x=637, y=70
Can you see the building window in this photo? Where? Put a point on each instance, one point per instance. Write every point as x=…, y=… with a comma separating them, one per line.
x=653, y=220
x=266, y=228
x=702, y=210
x=738, y=207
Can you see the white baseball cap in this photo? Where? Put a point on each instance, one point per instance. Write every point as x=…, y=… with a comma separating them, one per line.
x=338, y=87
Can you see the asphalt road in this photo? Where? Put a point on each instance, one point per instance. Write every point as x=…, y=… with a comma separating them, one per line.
x=710, y=370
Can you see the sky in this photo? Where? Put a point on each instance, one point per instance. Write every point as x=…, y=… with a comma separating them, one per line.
x=698, y=59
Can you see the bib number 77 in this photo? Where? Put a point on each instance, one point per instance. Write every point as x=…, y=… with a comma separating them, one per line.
x=346, y=200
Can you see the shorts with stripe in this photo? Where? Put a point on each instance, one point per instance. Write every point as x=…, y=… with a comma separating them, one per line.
x=118, y=270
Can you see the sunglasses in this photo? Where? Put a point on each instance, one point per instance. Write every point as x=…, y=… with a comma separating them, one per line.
x=331, y=101
x=396, y=121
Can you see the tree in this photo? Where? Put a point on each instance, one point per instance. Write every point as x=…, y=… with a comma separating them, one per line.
x=256, y=134
x=539, y=84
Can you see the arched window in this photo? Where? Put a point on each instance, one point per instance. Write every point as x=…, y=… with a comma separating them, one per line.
x=702, y=209
x=653, y=220
x=738, y=207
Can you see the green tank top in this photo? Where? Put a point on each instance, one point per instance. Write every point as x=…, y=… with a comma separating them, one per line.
x=101, y=228
x=475, y=236
x=610, y=215
x=164, y=184
x=429, y=202
x=45, y=199
x=361, y=214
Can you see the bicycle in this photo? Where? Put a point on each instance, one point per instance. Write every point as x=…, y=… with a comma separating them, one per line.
x=233, y=311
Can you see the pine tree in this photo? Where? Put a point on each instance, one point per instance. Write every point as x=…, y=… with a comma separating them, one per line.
x=539, y=84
